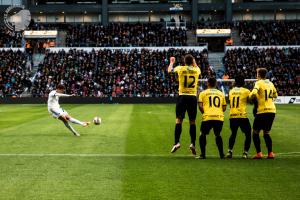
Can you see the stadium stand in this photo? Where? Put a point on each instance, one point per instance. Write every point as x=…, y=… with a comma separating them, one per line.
x=116, y=73
x=269, y=32
x=283, y=65
x=14, y=73
x=8, y=39
x=118, y=34
x=124, y=35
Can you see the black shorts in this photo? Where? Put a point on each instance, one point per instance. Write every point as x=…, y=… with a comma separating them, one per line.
x=217, y=125
x=263, y=121
x=243, y=123
x=186, y=103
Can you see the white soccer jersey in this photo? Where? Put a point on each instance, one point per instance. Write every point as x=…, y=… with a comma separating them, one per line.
x=53, y=100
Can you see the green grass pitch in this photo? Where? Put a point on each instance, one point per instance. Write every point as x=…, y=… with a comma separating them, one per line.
x=128, y=157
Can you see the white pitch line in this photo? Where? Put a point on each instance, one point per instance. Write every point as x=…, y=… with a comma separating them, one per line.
x=288, y=153
x=88, y=155
x=283, y=154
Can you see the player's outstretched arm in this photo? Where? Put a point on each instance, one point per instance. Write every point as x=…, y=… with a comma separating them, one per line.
x=64, y=95
x=172, y=61
x=195, y=63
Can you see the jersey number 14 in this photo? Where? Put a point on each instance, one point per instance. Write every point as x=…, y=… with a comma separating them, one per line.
x=270, y=96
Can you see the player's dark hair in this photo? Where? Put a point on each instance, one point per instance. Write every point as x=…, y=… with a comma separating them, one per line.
x=60, y=87
x=212, y=82
x=239, y=81
x=188, y=60
x=262, y=72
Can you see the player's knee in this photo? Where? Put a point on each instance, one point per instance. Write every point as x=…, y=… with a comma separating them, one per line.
x=178, y=121
x=255, y=131
x=62, y=118
x=217, y=134
x=266, y=132
x=192, y=122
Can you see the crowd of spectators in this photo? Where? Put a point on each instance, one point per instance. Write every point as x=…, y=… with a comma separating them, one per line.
x=124, y=35
x=269, y=33
x=143, y=73
x=283, y=66
x=14, y=73
x=118, y=73
x=9, y=39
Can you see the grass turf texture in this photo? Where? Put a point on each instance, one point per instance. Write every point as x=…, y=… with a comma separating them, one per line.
x=127, y=157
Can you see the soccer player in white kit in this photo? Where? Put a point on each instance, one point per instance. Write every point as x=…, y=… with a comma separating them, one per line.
x=59, y=113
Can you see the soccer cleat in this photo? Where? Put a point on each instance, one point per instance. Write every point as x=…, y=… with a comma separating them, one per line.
x=222, y=156
x=193, y=150
x=175, y=147
x=258, y=156
x=271, y=155
x=245, y=155
x=202, y=156
x=86, y=124
x=76, y=134
x=229, y=154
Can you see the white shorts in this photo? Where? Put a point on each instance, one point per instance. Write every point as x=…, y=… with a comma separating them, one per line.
x=57, y=112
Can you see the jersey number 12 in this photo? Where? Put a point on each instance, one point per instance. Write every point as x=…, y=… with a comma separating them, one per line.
x=191, y=85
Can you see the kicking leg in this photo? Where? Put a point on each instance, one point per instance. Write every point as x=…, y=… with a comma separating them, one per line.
x=64, y=120
x=76, y=121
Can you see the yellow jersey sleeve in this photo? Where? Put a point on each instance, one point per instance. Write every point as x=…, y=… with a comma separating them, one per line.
x=255, y=90
x=177, y=69
x=200, y=98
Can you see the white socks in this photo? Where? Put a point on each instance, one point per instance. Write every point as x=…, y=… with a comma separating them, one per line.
x=75, y=121
x=71, y=128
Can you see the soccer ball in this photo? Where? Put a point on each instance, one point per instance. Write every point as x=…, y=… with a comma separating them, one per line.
x=97, y=120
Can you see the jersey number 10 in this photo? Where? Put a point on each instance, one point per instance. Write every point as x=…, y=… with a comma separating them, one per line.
x=214, y=101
